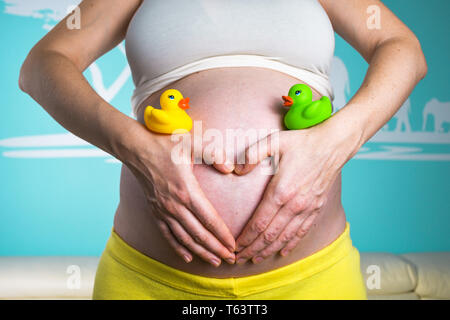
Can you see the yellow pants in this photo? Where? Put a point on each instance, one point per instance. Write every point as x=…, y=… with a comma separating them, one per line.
x=331, y=273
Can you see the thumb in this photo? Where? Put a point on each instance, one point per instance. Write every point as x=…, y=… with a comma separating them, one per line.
x=218, y=159
x=226, y=167
x=256, y=153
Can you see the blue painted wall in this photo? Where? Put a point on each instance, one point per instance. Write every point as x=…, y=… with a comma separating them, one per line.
x=59, y=198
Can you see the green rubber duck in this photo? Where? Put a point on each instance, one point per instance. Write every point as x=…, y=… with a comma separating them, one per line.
x=304, y=112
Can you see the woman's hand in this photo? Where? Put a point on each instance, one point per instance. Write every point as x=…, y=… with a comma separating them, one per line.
x=309, y=162
x=184, y=215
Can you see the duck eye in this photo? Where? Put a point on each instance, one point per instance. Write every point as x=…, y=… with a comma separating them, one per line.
x=171, y=97
x=298, y=92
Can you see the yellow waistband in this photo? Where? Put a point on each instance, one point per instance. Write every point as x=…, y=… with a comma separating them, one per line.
x=220, y=287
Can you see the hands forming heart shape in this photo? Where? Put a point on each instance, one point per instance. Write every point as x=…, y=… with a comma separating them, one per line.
x=309, y=162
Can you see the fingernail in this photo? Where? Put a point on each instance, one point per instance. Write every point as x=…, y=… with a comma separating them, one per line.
x=229, y=166
x=230, y=260
x=187, y=258
x=241, y=261
x=215, y=262
x=257, y=260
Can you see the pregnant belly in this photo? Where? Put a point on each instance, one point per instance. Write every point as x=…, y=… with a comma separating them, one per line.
x=232, y=108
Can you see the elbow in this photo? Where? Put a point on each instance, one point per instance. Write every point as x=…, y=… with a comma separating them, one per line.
x=410, y=46
x=22, y=78
x=33, y=69
x=25, y=74
x=423, y=70
x=421, y=66
x=22, y=81
x=38, y=64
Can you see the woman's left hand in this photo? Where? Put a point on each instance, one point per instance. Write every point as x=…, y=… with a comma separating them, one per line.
x=309, y=162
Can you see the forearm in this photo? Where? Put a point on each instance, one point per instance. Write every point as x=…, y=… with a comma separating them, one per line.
x=395, y=68
x=60, y=88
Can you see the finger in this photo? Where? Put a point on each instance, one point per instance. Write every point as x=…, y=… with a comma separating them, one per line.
x=200, y=206
x=195, y=229
x=201, y=235
x=270, y=204
x=282, y=240
x=275, y=228
x=218, y=159
x=179, y=249
x=185, y=239
x=226, y=167
x=256, y=153
x=301, y=232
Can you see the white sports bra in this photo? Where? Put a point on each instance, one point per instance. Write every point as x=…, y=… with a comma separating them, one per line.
x=169, y=39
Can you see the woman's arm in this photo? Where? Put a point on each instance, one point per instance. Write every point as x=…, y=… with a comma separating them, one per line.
x=311, y=159
x=396, y=63
x=52, y=75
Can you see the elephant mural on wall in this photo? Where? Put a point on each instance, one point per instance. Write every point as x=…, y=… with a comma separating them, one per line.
x=440, y=112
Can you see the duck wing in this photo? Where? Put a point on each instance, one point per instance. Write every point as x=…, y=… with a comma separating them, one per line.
x=160, y=116
x=317, y=108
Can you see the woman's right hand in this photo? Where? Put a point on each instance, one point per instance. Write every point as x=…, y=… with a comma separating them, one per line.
x=184, y=215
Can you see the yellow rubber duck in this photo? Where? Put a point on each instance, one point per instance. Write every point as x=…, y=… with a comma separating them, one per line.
x=171, y=116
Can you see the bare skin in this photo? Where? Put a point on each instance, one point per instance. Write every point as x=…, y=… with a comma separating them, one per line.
x=291, y=206
x=230, y=104
x=294, y=214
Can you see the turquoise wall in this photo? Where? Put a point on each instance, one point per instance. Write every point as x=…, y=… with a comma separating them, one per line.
x=58, y=195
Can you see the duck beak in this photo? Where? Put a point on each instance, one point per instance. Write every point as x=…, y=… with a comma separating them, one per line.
x=184, y=103
x=287, y=101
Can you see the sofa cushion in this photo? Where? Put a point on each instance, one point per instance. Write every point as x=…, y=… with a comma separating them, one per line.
x=47, y=277
x=396, y=274
x=433, y=278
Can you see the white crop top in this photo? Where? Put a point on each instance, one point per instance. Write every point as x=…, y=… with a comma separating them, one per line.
x=169, y=39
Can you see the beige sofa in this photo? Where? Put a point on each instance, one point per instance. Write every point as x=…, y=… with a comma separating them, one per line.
x=388, y=276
